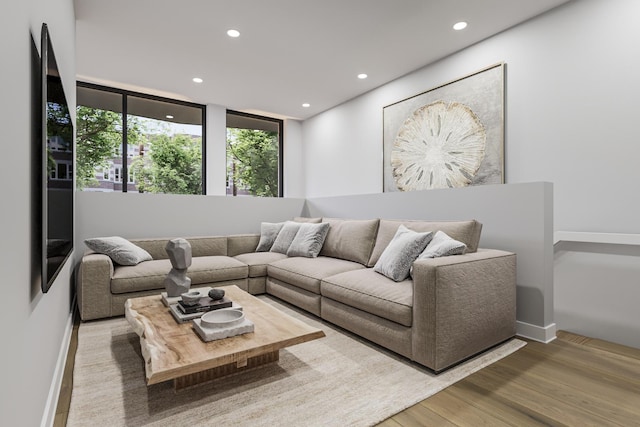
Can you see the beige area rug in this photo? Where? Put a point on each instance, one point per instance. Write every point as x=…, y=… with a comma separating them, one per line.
x=338, y=380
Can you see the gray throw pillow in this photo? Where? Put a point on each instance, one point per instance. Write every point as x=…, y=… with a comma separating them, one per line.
x=443, y=245
x=268, y=233
x=120, y=250
x=285, y=237
x=309, y=240
x=397, y=258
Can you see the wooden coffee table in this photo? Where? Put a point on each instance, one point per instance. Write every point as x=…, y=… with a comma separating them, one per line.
x=173, y=351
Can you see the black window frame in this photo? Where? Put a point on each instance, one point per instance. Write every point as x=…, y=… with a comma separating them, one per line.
x=124, y=151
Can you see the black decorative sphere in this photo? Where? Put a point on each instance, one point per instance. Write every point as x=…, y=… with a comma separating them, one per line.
x=216, y=294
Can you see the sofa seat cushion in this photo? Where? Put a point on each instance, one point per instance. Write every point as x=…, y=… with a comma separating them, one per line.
x=258, y=261
x=306, y=273
x=373, y=293
x=150, y=275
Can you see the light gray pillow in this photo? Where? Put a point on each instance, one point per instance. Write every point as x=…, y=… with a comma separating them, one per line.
x=309, y=240
x=396, y=259
x=285, y=237
x=443, y=245
x=268, y=233
x=120, y=250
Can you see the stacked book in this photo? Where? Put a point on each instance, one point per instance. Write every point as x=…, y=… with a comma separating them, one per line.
x=205, y=304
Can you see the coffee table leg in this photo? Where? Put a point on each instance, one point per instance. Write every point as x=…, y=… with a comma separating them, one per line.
x=190, y=380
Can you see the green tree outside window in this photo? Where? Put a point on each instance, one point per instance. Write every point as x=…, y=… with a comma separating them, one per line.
x=173, y=165
x=252, y=161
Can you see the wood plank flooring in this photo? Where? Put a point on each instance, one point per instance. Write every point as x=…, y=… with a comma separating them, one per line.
x=572, y=381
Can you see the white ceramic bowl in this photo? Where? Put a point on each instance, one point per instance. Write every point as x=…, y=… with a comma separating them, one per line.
x=191, y=298
x=222, y=318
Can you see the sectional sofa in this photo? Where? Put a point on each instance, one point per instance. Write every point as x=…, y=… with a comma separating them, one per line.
x=449, y=309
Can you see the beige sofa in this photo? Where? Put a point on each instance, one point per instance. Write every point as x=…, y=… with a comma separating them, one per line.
x=453, y=308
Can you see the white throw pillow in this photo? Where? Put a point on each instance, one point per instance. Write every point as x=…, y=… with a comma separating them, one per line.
x=268, y=233
x=443, y=245
x=120, y=250
x=309, y=240
x=397, y=258
x=285, y=237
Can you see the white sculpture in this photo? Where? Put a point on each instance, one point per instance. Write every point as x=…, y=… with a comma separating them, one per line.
x=176, y=283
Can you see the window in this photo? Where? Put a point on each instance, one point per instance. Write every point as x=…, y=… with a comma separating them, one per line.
x=62, y=171
x=151, y=144
x=254, y=155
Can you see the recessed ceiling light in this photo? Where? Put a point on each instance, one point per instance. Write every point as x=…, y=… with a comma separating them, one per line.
x=233, y=33
x=197, y=80
x=306, y=105
x=169, y=116
x=459, y=25
x=362, y=76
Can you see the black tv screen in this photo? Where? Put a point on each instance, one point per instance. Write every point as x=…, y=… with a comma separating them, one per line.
x=57, y=167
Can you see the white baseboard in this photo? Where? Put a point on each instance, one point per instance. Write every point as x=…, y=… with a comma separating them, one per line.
x=56, y=383
x=544, y=334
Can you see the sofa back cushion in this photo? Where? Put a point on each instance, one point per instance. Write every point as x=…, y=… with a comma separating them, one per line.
x=200, y=246
x=242, y=243
x=208, y=246
x=156, y=247
x=467, y=232
x=350, y=239
x=315, y=220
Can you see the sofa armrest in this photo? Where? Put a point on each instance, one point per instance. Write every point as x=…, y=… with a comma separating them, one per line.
x=93, y=286
x=462, y=305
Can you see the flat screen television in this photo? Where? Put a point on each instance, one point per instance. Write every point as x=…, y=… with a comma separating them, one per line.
x=57, y=167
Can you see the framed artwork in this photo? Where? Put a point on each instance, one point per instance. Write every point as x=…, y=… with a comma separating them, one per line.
x=447, y=137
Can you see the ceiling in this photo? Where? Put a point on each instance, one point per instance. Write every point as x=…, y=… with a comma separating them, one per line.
x=289, y=52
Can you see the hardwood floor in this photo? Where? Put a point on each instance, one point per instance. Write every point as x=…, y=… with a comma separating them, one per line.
x=572, y=381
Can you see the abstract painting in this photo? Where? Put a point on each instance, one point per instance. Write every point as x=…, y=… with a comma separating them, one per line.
x=448, y=137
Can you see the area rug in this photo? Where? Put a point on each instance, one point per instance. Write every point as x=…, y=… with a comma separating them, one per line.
x=338, y=380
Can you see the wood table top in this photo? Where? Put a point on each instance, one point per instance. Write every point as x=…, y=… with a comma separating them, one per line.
x=173, y=350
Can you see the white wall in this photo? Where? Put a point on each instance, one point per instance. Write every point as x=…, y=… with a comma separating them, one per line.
x=597, y=290
x=33, y=326
x=216, y=150
x=135, y=215
x=571, y=86
x=293, y=172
